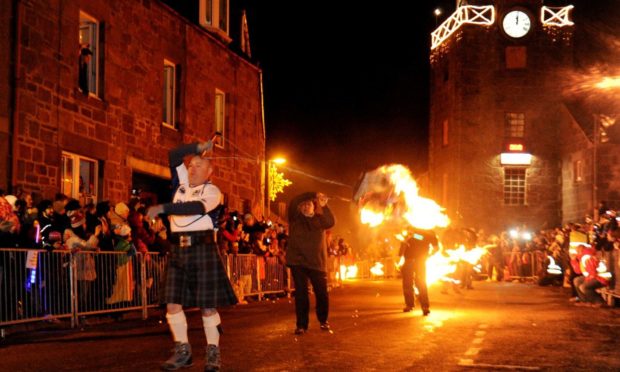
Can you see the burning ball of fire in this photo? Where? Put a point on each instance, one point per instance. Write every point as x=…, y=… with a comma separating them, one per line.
x=389, y=193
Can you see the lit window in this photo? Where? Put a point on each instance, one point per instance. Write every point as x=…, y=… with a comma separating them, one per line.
x=79, y=177
x=88, y=75
x=514, y=186
x=214, y=13
x=169, y=94
x=578, y=170
x=220, y=116
x=514, y=125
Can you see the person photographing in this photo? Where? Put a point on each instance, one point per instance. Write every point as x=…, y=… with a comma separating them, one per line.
x=309, y=217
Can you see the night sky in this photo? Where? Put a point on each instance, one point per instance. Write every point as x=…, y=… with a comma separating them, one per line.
x=346, y=85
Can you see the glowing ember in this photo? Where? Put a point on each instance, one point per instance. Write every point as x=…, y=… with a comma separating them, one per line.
x=377, y=270
x=608, y=82
x=442, y=264
x=390, y=193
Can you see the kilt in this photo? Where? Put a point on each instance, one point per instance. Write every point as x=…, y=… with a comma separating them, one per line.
x=196, y=276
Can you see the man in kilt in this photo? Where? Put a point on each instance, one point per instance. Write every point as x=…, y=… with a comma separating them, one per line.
x=196, y=276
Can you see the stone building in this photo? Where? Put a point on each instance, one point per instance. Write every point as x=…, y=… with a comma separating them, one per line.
x=93, y=94
x=508, y=146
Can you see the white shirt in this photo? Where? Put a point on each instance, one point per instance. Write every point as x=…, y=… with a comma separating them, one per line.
x=207, y=193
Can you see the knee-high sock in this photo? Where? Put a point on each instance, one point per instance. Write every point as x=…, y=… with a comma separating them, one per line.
x=210, y=324
x=178, y=326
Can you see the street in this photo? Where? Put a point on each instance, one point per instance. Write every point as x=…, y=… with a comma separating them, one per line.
x=517, y=326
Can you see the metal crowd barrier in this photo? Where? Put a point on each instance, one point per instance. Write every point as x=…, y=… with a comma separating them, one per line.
x=37, y=285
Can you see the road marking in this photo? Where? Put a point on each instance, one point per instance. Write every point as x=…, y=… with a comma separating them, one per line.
x=472, y=351
x=478, y=341
x=483, y=326
x=480, y=333
x=470, y=363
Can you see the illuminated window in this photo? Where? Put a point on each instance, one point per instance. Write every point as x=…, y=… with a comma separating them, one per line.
x=214, y=13
x=169, y=94
x=79, y=177
x=514, y=125
x=89, y=61
x=578, y=170
x=514, y=186
x=220, y=116
x=445, y=133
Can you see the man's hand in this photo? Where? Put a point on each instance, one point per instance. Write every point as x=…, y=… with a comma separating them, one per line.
x=322, y=199
x=154, y=211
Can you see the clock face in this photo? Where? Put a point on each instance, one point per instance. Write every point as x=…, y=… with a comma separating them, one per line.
x=516, y=24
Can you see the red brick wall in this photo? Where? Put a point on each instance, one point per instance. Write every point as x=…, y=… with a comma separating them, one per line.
x=5, y=90
x=138, y=36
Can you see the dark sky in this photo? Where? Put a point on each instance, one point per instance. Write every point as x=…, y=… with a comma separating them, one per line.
x=346, y=84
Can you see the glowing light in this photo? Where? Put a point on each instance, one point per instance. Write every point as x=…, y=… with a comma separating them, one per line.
x=397, y=199
x=278, y=161
x=348, y=272
x=377, y=270
x=608, y=82
x=437, y=12
x=466, y=14
x=513, y=234
x=526, y=236
x=510, y=158
x=515, y=147
x=277, y=182
x=556, y=16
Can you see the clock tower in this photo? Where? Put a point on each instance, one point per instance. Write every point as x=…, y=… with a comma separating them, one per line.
x=497, y=112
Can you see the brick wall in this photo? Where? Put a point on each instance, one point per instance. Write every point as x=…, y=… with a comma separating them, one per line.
x=126, y=122
x=5, y=90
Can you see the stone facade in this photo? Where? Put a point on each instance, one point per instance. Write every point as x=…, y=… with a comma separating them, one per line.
x=478, y=76
x=122, y=129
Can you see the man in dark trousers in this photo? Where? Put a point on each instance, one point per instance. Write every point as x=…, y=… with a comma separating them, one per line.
x=196, y=276
x=415, y=250
x=306, y=255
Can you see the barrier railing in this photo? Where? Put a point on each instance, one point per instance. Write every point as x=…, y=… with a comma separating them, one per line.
x=39, y=285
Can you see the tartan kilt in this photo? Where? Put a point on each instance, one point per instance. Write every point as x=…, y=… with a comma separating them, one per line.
x=196, y=277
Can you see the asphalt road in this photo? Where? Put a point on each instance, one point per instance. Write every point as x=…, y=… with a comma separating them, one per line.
x=496, y=326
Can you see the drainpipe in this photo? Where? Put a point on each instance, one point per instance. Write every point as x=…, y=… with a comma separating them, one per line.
x=14, y=97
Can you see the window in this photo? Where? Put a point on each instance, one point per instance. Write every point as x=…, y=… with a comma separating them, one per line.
x=214, y=13
x=578, y=171
x=514, y=125
x=514, y=186
x=445, y=133
x=88, y=75
x=79, y=177
x=220, y=116
x=444, y=189
x=169, y=94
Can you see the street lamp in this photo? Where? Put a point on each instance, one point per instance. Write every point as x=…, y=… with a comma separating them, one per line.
x=437, y=13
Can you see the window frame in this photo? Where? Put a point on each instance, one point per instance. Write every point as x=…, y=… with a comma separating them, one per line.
x=75, y=173
x=172, y=79
x=510, y=124
x=94, y=65
x=210, y=14
x=509, y=190
x=578, y=171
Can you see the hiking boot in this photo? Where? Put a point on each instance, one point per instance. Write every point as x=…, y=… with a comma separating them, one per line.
x=213, y=358
x=182, y=358
x=407, y=309
x=425, y=312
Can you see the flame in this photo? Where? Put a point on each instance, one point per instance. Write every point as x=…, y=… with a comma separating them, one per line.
x=401, y=199
x=348, y=272
x=377, y=270
x=443, y=263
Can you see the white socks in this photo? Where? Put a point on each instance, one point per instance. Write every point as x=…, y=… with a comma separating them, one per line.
x=210, y=324
x=178, y=326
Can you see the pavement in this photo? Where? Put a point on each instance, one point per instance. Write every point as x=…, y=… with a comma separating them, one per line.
x=496, y=326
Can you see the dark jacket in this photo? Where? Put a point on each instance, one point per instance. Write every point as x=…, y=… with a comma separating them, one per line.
x=417, y=245
x=306, y=244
